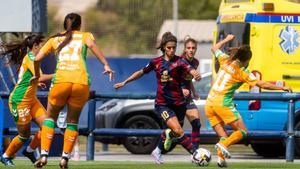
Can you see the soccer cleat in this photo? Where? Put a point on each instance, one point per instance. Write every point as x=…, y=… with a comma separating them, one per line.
x=7, y=162
x=29, y=155
x=156, y=154
x=192, y=159
x=63, y=164
x=168, y=141
x=223, y=149
x=41, y=162
x=221, y=160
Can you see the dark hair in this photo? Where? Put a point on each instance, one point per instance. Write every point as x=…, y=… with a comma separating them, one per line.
x=167, y=37
x=18, y=49
x=72, y=22
x=242, y=53
x=188, y=39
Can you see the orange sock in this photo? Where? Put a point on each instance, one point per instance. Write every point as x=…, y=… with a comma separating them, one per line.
x=47, y=136
x=234, y=138
x=70, y=137
x=15, y=145
x=36, y=141
x=219, y=153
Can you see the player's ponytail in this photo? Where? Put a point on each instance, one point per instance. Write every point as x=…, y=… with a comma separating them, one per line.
x=72, y=22
x=242, y=53
x=17, y=50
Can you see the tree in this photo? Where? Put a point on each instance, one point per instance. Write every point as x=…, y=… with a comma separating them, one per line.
x=126, y=27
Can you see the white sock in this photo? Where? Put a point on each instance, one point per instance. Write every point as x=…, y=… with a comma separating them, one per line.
x=29, y=149
x=44, y=152
x=158, y=150
x=65, y=155
x=5, y=155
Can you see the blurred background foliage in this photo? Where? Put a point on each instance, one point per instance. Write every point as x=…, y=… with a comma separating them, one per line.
x=128, y=27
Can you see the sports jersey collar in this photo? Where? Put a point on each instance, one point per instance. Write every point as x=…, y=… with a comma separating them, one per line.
x=187, y=58
x=31, y=56
x=171, y=59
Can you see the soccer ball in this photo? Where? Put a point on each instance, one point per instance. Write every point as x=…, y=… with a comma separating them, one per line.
x=201, y=157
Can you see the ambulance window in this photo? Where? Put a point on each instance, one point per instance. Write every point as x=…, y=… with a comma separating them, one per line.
x=295, y=1
x=241, y=32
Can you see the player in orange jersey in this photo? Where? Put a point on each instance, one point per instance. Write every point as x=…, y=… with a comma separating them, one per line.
x=219, y=107
x=23, y=103
x=70, y=85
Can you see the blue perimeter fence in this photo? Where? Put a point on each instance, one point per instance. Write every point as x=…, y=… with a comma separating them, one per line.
x=91, y=131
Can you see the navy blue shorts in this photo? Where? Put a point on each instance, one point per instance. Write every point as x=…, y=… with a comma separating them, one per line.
x=166, y=112
x=191, y=105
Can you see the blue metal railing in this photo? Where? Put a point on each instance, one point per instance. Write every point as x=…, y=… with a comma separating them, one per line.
x=289, y=134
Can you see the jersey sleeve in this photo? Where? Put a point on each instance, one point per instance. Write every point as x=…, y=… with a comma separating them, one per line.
x=248, y=77
x=48, y=47
x=186, y=66
x=28, y=62
x=221, y=56
x=149, y=67
x=88, y=35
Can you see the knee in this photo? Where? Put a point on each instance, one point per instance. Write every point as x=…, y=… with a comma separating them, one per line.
x=24, y=137
x=24, y=134
x=178, y=132
x=196, y=124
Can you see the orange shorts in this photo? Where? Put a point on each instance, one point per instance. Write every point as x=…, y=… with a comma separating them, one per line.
x=24, y=112
x=219, y=114
x=73, y=94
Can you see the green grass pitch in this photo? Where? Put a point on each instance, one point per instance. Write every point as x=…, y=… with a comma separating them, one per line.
x=23, y=164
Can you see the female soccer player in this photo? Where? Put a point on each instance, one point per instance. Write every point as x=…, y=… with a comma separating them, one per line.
x=170, y=104
x=23, y=103
x=70, y=84
x=219, y=107
x=192, y=113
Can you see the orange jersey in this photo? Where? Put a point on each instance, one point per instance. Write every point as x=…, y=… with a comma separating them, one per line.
x=24, y=91
x=71, y=60
x=229, y=78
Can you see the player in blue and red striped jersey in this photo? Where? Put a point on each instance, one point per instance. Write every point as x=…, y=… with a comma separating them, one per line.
x=192, y=113
x=170, y=104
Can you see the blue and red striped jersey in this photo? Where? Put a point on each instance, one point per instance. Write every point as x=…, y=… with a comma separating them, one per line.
x=169, y=75
x=188, y=77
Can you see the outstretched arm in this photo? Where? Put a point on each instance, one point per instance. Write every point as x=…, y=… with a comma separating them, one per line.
x=270, y=86
x=92, y=45
x=45, y=77
x=132, y=77
x=196, y=75
x=36, y=65
x=220, y=44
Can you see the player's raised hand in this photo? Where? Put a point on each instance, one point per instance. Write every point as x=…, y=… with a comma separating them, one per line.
x=287, y=89
x=119, y=85
x=230, y=37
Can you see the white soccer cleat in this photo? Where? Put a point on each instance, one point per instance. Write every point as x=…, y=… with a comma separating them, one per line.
x=192, y=158
x=156, y=154
x=221, y=162
x=223, y=149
